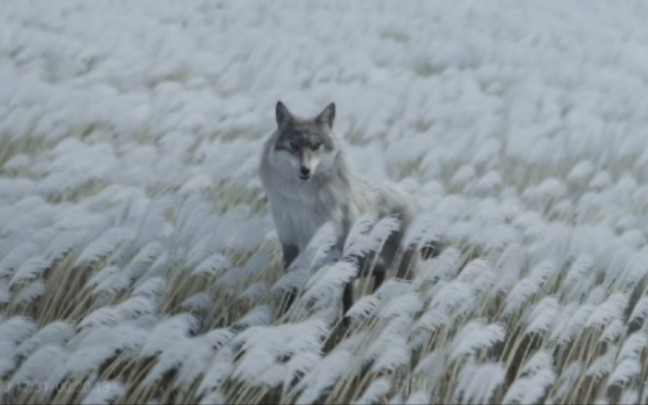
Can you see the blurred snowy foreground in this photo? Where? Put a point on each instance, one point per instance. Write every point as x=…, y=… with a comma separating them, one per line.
x=138, y=261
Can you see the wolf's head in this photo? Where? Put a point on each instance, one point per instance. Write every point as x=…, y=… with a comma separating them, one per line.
x=306, y=143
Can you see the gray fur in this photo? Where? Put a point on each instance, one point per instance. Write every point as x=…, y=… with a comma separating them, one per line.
x=332, y=192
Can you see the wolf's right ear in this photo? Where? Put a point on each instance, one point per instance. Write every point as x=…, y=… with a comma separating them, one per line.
x=282, y=114
x=327, y=116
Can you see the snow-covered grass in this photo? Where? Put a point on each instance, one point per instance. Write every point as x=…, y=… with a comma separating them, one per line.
x=138, y=262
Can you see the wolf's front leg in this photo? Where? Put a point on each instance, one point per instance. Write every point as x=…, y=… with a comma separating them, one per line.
x=290, y=253
x=347, y=303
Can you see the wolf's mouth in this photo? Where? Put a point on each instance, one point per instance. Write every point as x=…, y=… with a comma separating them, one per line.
x=304, y=177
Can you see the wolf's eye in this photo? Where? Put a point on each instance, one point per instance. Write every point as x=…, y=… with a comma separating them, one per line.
x=316, y=146
x=293, y=145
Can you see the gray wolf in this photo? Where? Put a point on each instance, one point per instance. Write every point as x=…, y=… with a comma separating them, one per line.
x=308, y=182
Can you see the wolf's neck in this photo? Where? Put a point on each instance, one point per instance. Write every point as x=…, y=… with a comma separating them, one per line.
x=339, y=174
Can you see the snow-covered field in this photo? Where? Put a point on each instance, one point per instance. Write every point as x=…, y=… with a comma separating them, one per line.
x=138, y=262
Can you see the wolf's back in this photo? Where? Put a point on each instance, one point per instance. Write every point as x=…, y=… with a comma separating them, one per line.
x=384, y=198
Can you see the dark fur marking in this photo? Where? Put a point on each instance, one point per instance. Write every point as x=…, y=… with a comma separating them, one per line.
x=290, y=252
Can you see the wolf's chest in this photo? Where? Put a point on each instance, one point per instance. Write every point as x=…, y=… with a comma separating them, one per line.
x=299, y=215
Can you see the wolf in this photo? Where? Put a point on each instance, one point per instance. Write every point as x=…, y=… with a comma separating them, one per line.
x=308, y=182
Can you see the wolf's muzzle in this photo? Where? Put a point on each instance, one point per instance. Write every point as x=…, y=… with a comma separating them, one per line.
x=304, y=173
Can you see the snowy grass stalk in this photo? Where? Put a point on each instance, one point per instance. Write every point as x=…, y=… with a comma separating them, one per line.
x=139, y=263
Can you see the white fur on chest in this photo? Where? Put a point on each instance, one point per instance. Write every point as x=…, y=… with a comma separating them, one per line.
x=299, y=209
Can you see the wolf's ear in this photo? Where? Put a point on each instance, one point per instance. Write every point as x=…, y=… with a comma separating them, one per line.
x=283, y=114
x=327, y=116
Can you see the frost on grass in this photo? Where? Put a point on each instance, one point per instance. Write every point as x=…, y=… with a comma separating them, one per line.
x=476, y=384
x=104, y=392
x=138, y=256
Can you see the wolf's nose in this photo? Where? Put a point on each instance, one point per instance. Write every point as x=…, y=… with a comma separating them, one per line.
x=305, y=171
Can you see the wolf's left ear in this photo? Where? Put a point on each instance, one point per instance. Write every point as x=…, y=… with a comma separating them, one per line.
x=327, y=116
x=282, y=114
